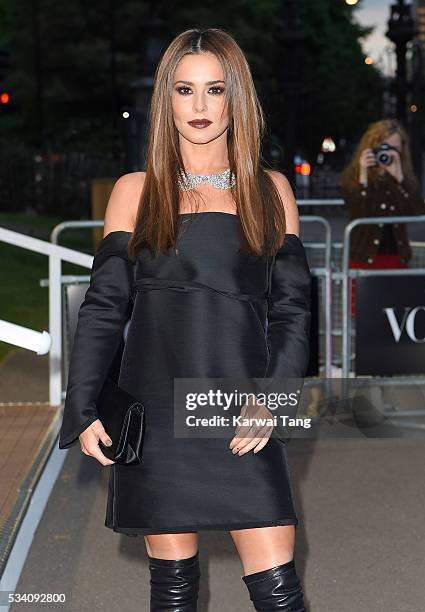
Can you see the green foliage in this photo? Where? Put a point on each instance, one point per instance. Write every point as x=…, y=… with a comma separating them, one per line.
x=343, y=94
x=75, y=64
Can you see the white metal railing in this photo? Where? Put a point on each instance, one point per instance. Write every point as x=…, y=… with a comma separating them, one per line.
x=56, y=255
x=321, y=202
x=348, y=273
x=64, y=225
x=25, y=337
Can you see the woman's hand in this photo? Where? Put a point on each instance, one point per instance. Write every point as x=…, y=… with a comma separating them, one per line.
x=366, y=160
x=89, y=441
x=253, y=436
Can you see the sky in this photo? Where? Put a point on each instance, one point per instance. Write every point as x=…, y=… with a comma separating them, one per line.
x=375, y=13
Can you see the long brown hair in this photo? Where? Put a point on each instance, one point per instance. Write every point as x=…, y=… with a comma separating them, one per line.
x=257, y=199
x=375, y=134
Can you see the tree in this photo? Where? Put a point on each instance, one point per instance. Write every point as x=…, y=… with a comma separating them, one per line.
x=75, y=64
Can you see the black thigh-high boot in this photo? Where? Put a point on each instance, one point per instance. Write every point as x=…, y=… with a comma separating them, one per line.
x=174, y=584
x=276, y=588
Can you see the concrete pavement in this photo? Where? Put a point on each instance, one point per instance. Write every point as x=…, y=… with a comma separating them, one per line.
x=360, y=545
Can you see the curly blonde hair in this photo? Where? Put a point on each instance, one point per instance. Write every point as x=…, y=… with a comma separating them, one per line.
x=375, y=134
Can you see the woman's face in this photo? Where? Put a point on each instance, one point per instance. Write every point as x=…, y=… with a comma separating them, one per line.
x=394, y=140
x=198, y=93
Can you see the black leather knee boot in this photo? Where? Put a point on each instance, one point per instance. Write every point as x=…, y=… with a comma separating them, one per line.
x=277, y=588
x=174, y=584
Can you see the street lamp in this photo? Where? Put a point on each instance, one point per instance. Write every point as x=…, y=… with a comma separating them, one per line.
x=401, y=30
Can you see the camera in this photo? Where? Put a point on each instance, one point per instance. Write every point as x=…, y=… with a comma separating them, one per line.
x=382, y=155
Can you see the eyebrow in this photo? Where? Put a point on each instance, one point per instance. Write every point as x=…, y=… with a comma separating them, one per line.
x=207, y=83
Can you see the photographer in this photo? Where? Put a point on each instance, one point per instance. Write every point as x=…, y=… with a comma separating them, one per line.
x=379, y=181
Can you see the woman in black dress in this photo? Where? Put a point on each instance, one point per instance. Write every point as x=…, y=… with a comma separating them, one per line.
x=207, y=269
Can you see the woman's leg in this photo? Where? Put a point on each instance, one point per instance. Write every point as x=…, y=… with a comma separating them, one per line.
x=266, y=554
x=264, y=547
x=172, y=545
x=174, y=567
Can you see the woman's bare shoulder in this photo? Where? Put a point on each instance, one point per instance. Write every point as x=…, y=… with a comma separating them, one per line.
x=288, y=199
x=121, y=211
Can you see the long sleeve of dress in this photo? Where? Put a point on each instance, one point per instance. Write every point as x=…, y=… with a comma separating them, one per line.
x=289, y=319
x=289, y=313
x=101, y=320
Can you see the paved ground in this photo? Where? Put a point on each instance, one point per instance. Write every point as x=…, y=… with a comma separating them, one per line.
x=24, y=423
x=24, y=377
x=360, y=546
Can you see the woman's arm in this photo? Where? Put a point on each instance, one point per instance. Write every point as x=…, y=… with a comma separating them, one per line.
x=289, y=313
x=408, y=198
x=363, y=201
x=288, y=318
x=102, y=316
x=364, y=198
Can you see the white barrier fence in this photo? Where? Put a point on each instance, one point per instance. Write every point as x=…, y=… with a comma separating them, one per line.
x=56, y=255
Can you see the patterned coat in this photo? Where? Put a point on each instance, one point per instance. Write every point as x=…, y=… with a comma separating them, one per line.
x=382, y=198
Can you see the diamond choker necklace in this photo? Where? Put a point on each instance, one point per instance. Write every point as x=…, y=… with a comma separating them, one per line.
x=221, y=180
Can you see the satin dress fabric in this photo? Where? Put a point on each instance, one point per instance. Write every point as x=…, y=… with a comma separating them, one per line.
x=205, y=309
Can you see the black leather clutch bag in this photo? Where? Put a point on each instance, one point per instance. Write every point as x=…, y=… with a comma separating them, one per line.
x=122, y=416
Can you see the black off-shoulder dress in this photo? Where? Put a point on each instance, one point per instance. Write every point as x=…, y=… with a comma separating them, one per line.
x=206, y=309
